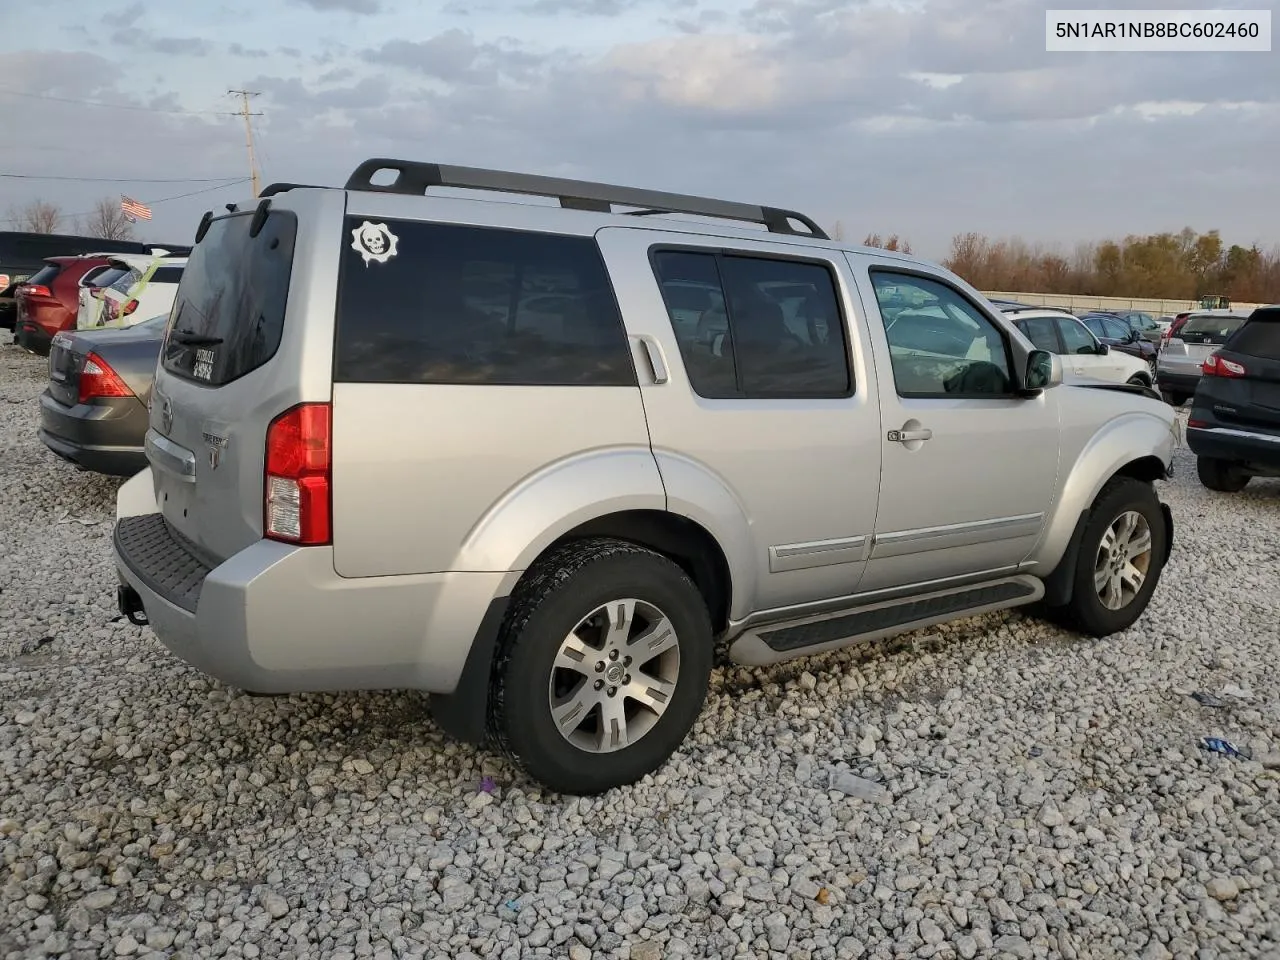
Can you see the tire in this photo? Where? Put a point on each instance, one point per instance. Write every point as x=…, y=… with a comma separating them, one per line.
x=551, y=607
x=1087, y=611
x=1175, y=399
x=1221, y=475
x=1138, y=380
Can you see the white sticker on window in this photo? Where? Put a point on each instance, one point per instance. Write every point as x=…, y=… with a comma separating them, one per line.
x=374, y=241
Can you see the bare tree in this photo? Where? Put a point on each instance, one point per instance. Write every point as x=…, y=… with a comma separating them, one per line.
x=107, y=222
x=38, y=216
x=838, y=232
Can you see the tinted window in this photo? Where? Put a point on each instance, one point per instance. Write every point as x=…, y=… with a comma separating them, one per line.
x=479, y=305
x=1039, y=330
x=228, y=314
x=167, y=275
x=107, y=277
x=1260, y=336
x=770, y=328
x=940, y=344
x=126, y=281
x=1209, y=329
x=1075, y=337
x=1114, y=330
x=45, y=275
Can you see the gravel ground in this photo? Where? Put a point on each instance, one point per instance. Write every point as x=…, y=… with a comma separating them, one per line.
x=1047, y=794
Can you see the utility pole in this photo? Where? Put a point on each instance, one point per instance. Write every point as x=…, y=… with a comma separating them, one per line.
x=248, y=131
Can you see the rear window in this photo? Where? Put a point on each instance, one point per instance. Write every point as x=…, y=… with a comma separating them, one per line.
x=126, y=280
x=45, y=275
x=228, y=314
x=1260, y=336
x=107, y=277
x=438, y=303
x=1209, y=329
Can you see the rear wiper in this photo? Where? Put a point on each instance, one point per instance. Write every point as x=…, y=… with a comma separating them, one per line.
x=192, y=339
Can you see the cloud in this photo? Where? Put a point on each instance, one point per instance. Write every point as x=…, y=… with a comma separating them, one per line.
x=926, y=118
x=126, y=17
x=179, y=46
x=238, y=50
x=590, y=8
x=456, y=57
x=350, y=6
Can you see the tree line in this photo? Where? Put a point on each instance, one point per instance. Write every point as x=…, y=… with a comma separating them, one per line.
x=106, y=221
x=1170, y=266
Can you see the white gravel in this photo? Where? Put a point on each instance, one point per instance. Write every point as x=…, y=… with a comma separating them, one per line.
x=1047, y=796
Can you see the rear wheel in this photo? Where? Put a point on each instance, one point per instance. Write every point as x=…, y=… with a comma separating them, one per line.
x=1173, y=398
x=1138, y=380
x=602, y=667
x=1221, y=475
x=1121, y=556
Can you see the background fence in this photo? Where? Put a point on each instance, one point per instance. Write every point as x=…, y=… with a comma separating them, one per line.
x=1159, y=308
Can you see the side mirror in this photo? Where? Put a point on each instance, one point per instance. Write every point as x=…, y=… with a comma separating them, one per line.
x=1104, y=349
x=1044, y=370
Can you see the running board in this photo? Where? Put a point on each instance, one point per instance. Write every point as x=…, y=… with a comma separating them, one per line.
x=806, y=636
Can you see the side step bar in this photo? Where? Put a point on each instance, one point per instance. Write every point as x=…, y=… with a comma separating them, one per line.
x=776, y=642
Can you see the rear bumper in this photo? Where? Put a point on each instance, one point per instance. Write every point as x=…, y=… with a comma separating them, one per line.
x=104, y=437
x=1176, y=382
x=275, y=618
x=31, y=336
x=1253, y=448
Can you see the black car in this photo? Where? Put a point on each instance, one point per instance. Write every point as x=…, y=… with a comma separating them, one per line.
x=1234, y=425
x=94, y=411
x=1118, y=335
x=22, y=254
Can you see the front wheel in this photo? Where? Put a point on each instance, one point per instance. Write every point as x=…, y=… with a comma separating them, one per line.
x=602, y=668
x=1121, y=556
x=1221, y=475
x=1138, y=380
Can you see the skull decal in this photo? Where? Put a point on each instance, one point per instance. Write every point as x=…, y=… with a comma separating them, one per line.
x=373, y=241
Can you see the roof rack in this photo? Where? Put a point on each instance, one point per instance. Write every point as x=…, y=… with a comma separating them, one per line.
x=415, y=178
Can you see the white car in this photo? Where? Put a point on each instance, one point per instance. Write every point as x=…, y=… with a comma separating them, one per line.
x=141, y=286
x=1084, y=356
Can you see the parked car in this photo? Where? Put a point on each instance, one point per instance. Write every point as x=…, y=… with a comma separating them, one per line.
x=142, y=286
x=94, y=411
x=22, y=254
x=1118, y=335
x=1172, y=331
x=360, y=480
x=1148, y=326
x=1179, y=365
x=47, y=300
x=1234, y=424
x=1083, y=354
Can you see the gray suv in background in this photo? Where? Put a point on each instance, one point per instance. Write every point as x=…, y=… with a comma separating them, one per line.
x=544, y=461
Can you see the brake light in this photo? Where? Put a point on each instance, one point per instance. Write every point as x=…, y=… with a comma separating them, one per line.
x=97, y=379
x=36, y=290
x=117, y=311
x=1197, y=423
x=1216, y=366
x=296, y=494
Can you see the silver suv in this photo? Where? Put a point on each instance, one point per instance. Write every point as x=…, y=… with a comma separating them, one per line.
x=544, y=461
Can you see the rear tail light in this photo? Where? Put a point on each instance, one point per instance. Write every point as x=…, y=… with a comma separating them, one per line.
x=1216, y=366
x=296, y=494
x=36, y=290
x=97, y=379
x=1197, y=423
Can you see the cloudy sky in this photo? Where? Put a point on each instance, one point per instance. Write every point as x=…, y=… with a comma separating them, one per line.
x=924, y=117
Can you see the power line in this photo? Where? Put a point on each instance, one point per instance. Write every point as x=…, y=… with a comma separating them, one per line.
x=33, y=176
x=116, y=106
x=150, y=203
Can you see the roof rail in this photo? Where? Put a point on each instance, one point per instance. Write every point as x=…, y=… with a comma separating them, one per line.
x=271, y=189
x=415, y=178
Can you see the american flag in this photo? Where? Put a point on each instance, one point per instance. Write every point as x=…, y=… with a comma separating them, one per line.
x=133, y=209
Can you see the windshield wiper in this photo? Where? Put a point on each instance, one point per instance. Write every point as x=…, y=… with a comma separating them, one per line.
x=193, y=339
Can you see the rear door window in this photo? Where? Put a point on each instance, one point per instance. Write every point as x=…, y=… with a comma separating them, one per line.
x=1039, y=330
x=440, y=303
x=228, y=314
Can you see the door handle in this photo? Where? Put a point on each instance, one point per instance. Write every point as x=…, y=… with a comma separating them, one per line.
x=653, y=352
x=906, y=436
